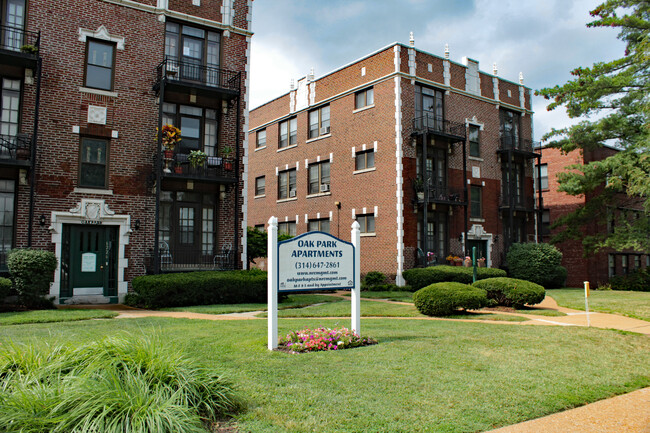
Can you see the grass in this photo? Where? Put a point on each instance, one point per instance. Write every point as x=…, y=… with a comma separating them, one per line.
x=470, y=315
x=391, y=296
x=292, y=301
x=341, y=308
x=423, y=376
x=49, y=316
x=631, y=304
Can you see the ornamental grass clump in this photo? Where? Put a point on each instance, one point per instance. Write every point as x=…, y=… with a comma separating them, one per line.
x=313, y=340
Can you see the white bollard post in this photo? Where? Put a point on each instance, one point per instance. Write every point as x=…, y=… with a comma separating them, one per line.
x=272, y=283
x=355, y=236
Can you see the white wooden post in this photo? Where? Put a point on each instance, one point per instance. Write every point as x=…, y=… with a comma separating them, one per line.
x=355, y=236
x=272, y=283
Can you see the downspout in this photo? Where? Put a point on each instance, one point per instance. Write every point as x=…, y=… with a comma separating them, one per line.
x=32, y=180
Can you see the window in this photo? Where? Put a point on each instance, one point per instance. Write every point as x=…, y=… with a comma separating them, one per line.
x=546, y=222
x=260, y=185
x=198, y=127
x=7, y=206
x=366, y=223
x=514, y=191
x=288, y=228
x=365, y=159
x=321, y=225
x=195, y=51
x=476, y=208
x=319, y=177
x=319, y=122
x=10, y=105
x=611, y=263
x=288, y=133
x=429, y=108
x=474, y=147
x=14, y=20
x=543, y=175
x=509, y=129
x=260, y=227
x=287, y=184
x=93, y=163
x=364, y=98
x=100, y=64
x=624, y=266
x=261, y=139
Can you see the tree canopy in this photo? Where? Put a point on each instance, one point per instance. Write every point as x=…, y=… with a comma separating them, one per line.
x=613, y=99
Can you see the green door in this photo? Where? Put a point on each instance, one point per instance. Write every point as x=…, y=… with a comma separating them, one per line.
x=481, y=248
x=92, y=259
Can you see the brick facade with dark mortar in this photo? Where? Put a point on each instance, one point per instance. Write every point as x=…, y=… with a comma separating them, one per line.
x=138, y=30
x=387, y=125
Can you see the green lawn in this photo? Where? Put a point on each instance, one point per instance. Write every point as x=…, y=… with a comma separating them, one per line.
x=391, y=296
x=292, y=301
x=48, y=316
x=341, y=308
x=631, y=304
x=423, y=376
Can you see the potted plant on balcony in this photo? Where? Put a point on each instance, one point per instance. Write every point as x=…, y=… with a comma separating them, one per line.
x=226, y=151
x=171, y=136
x=29, y=49
x=197, y=158
x=418, y=185
x=481, y=262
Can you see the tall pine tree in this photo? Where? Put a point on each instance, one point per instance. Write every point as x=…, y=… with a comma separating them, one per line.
x=616, y=96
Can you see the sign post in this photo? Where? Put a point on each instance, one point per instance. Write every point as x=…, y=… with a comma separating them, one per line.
x=587, y=302
x=311, y=261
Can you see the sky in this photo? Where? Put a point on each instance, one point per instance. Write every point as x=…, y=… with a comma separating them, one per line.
x=543, y=39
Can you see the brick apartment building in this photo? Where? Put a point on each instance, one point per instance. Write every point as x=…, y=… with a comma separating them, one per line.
x=85, y=84
x=599, y=267
x=432, y=157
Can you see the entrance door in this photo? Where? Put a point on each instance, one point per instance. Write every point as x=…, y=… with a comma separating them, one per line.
x=92, y=260
x=188, y=242
x=481, y=248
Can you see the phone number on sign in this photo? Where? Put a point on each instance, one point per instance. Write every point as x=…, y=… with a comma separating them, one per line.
x=317, y=265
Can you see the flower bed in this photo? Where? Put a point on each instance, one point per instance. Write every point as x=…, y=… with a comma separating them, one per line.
x=313, y=340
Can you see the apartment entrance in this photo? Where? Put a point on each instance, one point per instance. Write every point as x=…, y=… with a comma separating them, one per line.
x=89, y=261
x=481, y=248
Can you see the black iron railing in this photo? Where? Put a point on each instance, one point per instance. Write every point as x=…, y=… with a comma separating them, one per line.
x=437, y=194
x=514, y=143
x=518, y=202
x=15, y=147
x=438, y=125
x=173, y=70
x=19, y=40
x=177, y=164
x=186, y=259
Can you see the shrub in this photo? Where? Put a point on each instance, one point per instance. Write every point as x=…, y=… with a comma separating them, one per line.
x=511, y=292
x=638, y=280
x=5, y=288
x=418, y=278
x=199, y=288
x=32, y=271
x=537, y=263
x=376, y=281
x=442, y=299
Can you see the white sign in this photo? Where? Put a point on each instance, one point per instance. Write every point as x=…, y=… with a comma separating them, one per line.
x=315, y=261
x=88, y=262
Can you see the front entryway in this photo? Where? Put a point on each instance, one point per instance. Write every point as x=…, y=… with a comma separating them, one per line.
x=89, y=261
x=481, y=248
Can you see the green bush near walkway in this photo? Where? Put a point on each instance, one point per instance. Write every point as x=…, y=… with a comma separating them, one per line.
x=418, y=278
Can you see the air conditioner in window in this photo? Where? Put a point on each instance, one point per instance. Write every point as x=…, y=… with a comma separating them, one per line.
x=325, y=130
x=292, y=193
x=325, y=187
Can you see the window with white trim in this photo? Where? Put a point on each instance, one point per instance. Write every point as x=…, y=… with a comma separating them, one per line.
x=260, y=139
x=365, y=159
x=287, y=228
x=319, y=177
x=319, y=122
x=287, y=184
x=260, y=185
x=288, y=133
x=319, y=225
x=366, y=223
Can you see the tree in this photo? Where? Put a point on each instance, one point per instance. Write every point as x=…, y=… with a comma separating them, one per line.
x=257, y=242
x=614, y=98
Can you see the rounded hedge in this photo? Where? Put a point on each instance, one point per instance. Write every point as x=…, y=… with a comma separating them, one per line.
x=32, y=271
x=442, y=299
x=539, y=263
x=418, y=278
x=511, y=292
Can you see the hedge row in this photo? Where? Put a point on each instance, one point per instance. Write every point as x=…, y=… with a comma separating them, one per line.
x=418, y=278
x=442, y=299
x=638, y=281
x=199, y=288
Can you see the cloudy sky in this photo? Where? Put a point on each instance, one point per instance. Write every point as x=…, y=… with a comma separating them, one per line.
x=544, y=39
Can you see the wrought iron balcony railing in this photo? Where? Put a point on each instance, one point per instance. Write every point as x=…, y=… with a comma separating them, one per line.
x=182, y=260
x=19, y=40
x=176, y=165
x=15, y=147
x=517, y=202
x=438, y=125
x=438, y=194
x=178, y=71
x=515, y=143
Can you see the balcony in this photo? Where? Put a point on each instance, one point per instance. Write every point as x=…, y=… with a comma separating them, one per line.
x=438, y=194
x=429, y=124
x=205, y=81
x=526, y=204
x=509, y=143
x=177, y=259
x=216, y=169
x=19, y=47
x=15, y=150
